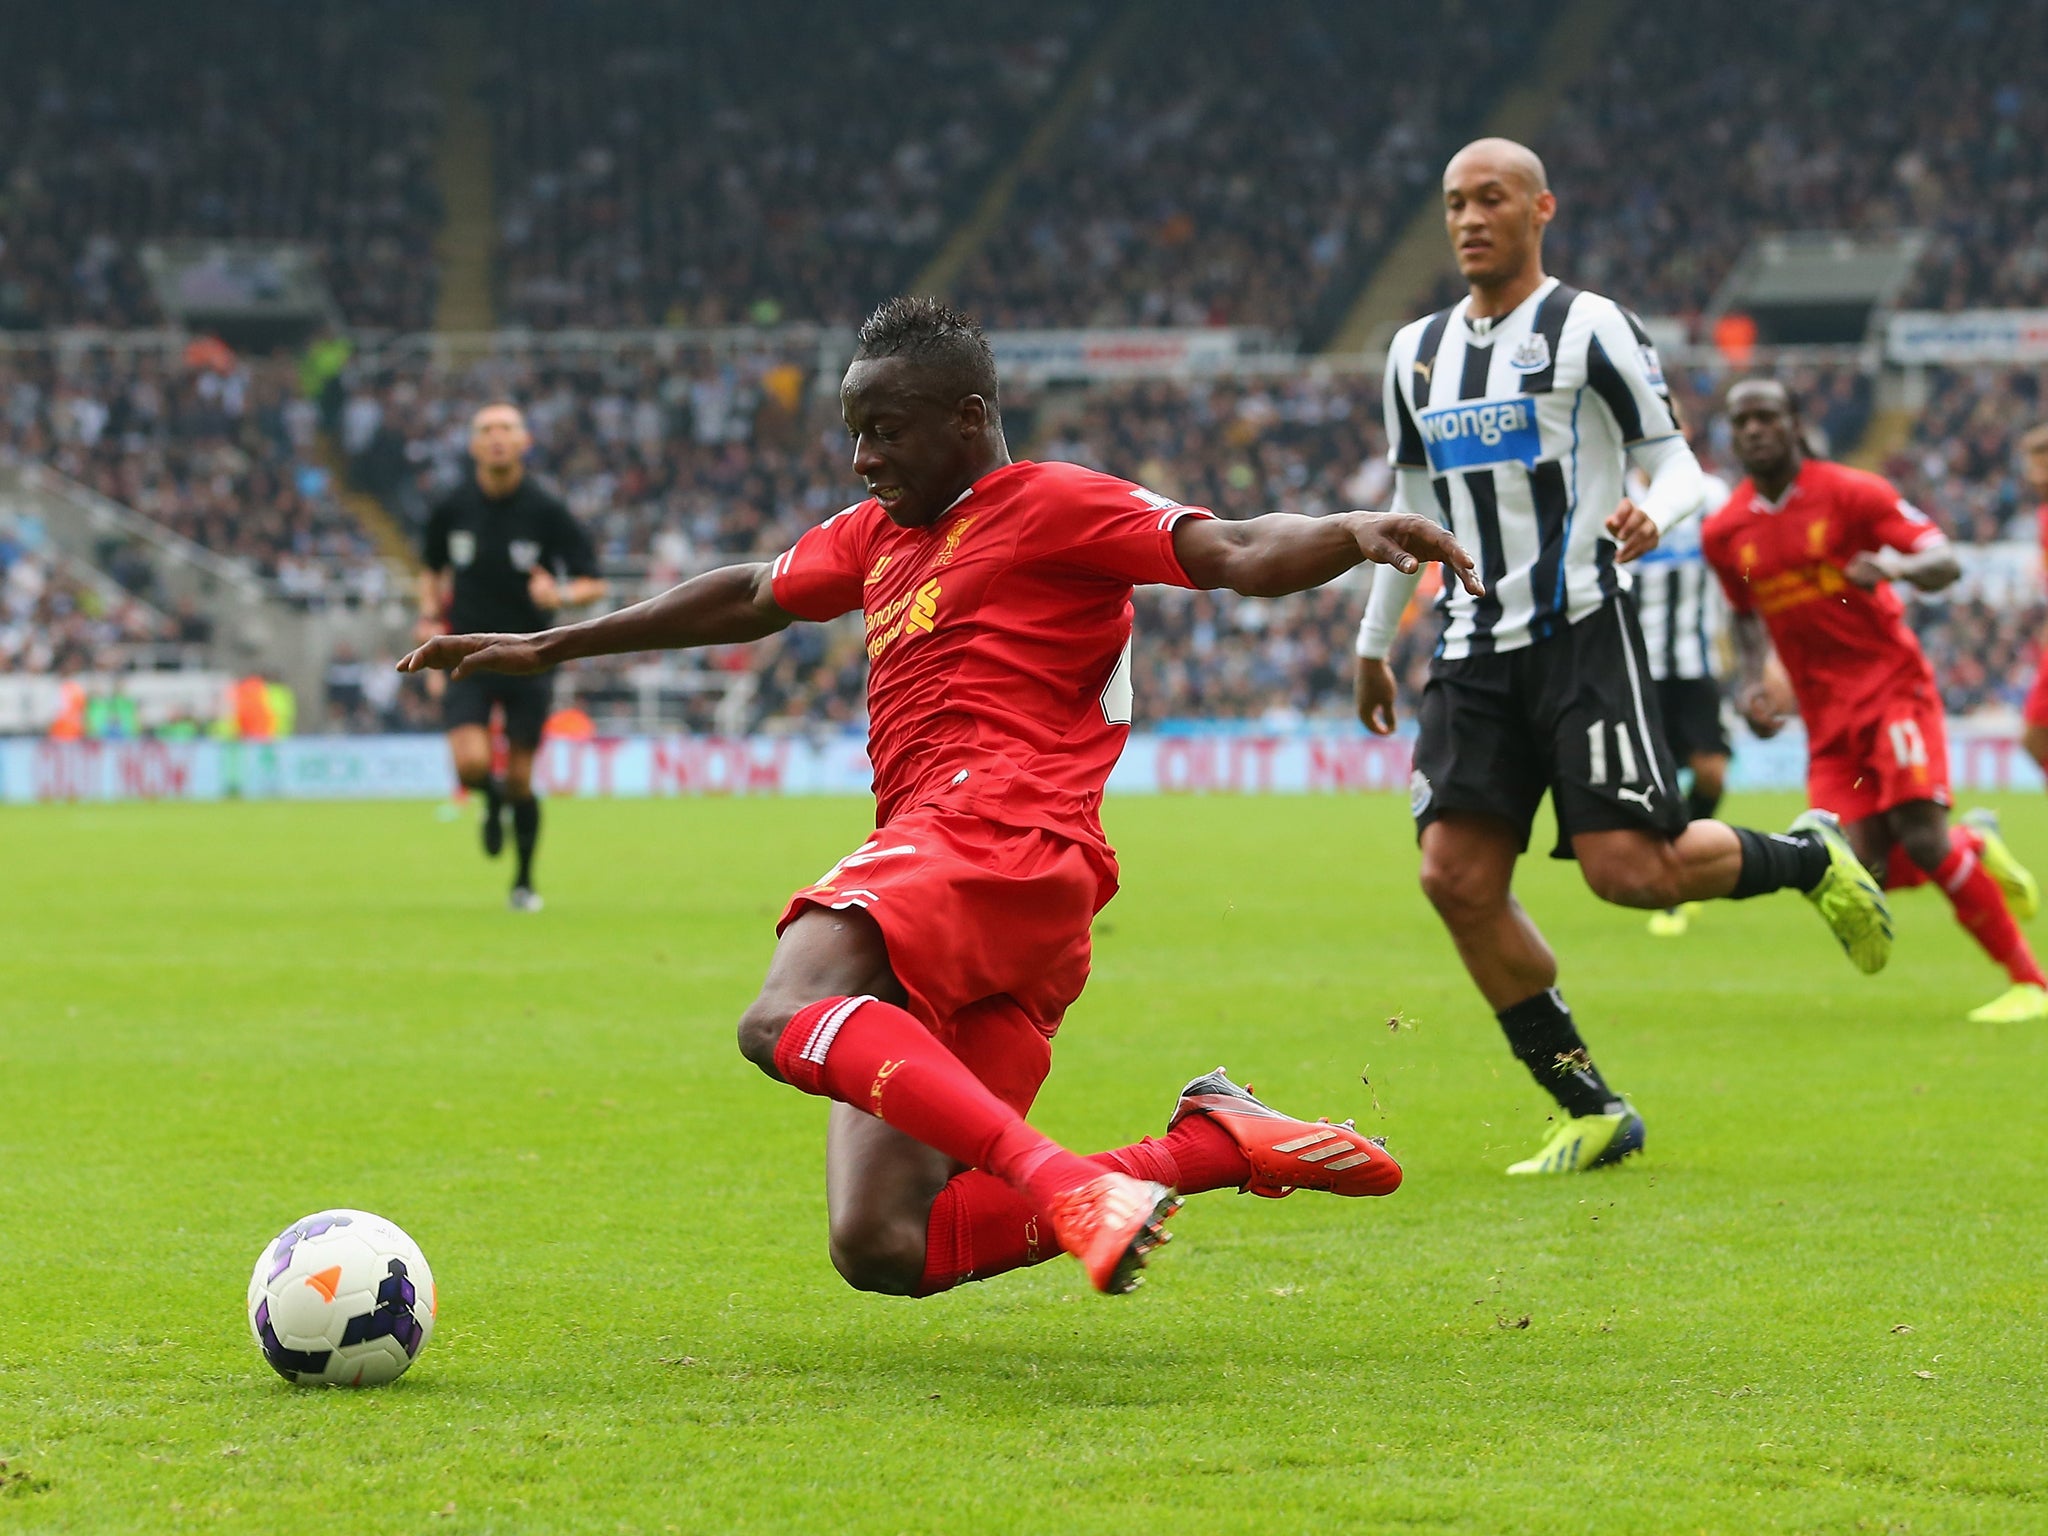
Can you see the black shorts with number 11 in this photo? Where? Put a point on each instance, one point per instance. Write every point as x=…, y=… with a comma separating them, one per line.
x=1575, y=715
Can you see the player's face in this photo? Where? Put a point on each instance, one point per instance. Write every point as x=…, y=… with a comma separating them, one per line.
x=2034, y=462
x=1494, y=217
x=914, y=453
x=498, y=437
x=1761, y=425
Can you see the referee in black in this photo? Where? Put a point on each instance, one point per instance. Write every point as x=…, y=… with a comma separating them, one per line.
x=501, y=553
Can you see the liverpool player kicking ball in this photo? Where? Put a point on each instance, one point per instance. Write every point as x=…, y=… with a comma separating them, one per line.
x=919, y=983
x=1806, y=550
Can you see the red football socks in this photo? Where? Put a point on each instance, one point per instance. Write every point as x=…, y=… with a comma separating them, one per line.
x=980, y=1226
x=1981, y=909
x=876, y=1057
x=1900, y=872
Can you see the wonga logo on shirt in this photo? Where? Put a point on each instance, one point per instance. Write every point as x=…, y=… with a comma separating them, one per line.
x=1474, y=434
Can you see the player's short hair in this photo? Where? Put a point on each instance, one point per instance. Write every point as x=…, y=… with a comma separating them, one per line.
x=945, y=345
x=499, y=403
x=2037, y=433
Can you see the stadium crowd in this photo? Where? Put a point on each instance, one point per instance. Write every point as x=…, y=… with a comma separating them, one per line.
x=774, y=161
x=1825, y=115
x=1243, y=167
x=220, y=449
x=53, y=622
x=123, y=122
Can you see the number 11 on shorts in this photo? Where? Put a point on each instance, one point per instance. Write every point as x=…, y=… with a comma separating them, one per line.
x=1596, y=753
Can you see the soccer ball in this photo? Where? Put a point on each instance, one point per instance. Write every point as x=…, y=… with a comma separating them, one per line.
x=341, y=1299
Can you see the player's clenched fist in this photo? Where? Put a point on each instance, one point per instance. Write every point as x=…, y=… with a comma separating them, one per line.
x=1633, y=530
x=1408, y=542
x=464, y=655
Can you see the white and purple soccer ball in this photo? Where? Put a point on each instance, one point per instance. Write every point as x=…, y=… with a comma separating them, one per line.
x=341, y=1299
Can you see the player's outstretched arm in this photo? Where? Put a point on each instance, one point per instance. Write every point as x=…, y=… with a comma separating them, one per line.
x=1284, y=552
x=723, y=607
x=1928, y=569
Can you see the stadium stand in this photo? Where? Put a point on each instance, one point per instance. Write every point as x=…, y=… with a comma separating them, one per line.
x=1961, y=462
x=1961, y=466
x=51, y=621
x=123, y=121
x=1243, y=168
x=1829, y=115
x=774, y=161
x=220, y=449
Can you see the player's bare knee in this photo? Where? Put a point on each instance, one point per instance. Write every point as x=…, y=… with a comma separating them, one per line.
x=762, y=1027
x=1460, y=894
x=878, y=1254
x=2036, y=742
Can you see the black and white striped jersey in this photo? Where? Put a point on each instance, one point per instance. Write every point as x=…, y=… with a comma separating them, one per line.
x=1676, y=597
x=1523, y=424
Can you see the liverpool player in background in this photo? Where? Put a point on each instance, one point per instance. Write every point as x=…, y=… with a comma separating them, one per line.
x=919, y=982
x=501, y=553
x=1515, y=413
x=1806, y=550
x=2034, y=469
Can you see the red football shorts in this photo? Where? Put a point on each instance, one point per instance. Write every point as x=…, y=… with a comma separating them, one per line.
x=2036, y=712
x=987, y=928
x=1876, y=761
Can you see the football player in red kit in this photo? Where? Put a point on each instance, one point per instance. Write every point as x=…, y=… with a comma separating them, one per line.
x=2034, y=469
x=1806, y=550
x=918, y=983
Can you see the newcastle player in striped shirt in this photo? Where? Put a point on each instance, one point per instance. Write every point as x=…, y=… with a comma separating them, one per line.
x=1512, y=416
x=1675, y=595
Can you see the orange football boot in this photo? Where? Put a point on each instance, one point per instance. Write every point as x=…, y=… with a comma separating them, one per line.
x=1288, y=1154
x=1110, y=1224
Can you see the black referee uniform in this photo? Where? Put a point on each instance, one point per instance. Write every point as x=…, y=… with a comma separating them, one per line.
x=494, y=545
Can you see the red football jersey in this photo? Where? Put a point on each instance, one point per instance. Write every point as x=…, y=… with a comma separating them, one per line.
x=1848, y=649
x=998, y=638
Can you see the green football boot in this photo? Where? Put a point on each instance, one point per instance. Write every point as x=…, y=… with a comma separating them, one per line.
x=1583, y=1142
x=2022, y=890
x=1849, y=901
x=1673, y=922
x=2021, y=1003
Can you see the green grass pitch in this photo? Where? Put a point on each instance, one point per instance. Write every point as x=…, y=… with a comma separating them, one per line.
x=1815, y=1304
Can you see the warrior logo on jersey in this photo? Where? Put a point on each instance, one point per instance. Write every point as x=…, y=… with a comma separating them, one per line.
x=524, y=552
x=461, y=547
x=1476, y=434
